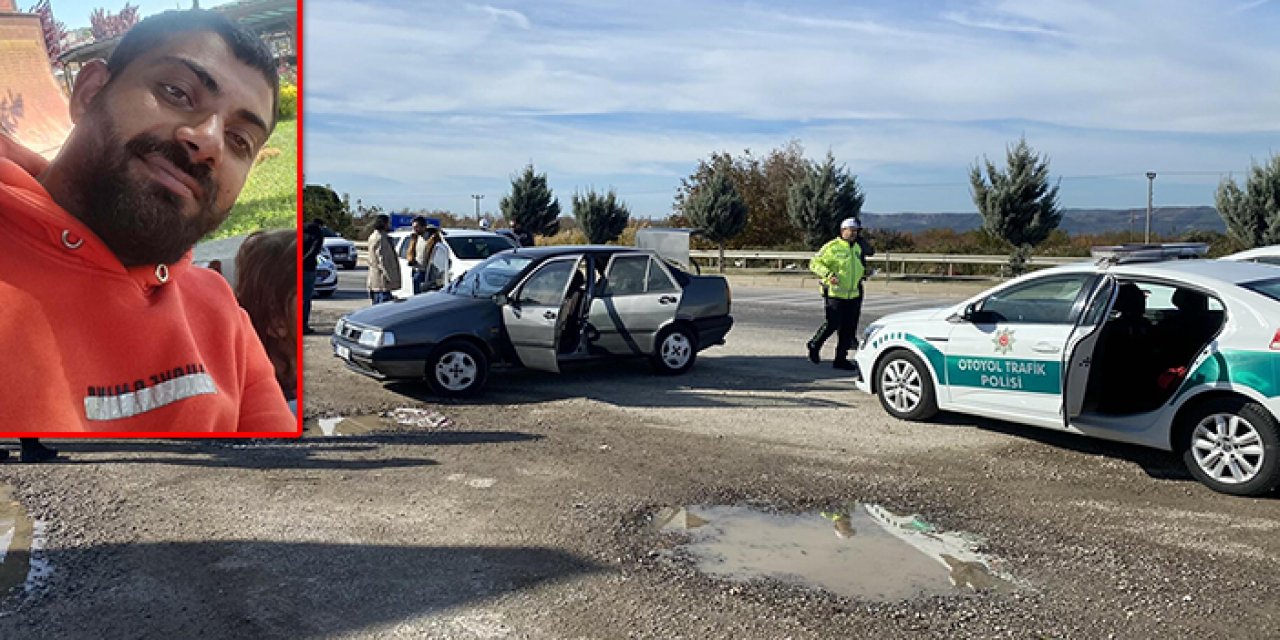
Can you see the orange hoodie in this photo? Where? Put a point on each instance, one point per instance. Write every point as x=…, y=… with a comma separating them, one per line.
x=90, y=345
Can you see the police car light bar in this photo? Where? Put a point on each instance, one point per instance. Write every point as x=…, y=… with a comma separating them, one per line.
x=1121, y=253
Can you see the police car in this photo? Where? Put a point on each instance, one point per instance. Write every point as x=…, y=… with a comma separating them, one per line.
x=1139, y=346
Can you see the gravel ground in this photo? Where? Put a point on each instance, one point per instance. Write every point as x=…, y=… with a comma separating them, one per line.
x=527, y=516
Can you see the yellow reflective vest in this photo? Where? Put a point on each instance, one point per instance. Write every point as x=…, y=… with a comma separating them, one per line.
x=842, y=259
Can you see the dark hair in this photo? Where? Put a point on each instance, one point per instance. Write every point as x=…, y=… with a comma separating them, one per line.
x=422, y=220
x=160, y=28
x=267, y=288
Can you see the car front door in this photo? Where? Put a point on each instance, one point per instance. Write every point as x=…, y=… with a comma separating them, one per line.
x=406, y=272
x=639, y=299
x=532, y=312
x=1004, y=355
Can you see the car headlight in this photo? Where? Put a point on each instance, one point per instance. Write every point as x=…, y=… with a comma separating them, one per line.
x=377, y=338
x=342, y=324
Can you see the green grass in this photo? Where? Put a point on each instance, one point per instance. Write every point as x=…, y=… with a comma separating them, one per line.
x=270, y=196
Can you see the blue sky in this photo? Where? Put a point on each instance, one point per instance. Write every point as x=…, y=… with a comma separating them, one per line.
x=421, y=104
x=75, y=13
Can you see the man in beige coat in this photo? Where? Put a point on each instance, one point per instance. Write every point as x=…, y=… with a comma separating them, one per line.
x=384, y=268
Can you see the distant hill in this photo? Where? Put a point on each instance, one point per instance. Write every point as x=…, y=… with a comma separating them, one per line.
x=1164, y=220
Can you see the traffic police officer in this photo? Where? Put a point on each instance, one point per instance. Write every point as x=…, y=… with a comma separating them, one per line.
x=840, y=265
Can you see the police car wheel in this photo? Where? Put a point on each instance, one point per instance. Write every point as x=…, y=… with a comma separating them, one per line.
x=457, y=369
x=1232, y=445
x=674, y=350
x=905, y=387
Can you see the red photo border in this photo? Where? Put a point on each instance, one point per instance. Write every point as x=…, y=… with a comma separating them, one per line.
x=166, y=435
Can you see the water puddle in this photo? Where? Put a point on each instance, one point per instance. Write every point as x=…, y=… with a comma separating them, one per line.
x=21, y=562
x=394, y=420
x=863, y=551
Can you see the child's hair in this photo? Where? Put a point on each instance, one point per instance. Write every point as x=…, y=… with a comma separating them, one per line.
x=267, y=288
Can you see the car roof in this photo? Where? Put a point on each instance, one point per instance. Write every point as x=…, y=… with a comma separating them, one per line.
x=1209, y=273
x=557, y=250
x=1256, y=252
x=448, y=231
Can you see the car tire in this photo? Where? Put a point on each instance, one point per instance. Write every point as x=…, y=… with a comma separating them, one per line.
x=674, y=350
x=457, y=369
x=1252, y=441
x=905, y=387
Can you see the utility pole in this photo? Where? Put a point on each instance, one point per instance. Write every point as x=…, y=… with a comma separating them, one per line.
x=477, y=197
x=1151, y=182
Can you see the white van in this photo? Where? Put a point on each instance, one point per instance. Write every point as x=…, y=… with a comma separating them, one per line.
x=461, y=250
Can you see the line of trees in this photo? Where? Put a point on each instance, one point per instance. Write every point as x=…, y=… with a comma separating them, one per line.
x=783, y=200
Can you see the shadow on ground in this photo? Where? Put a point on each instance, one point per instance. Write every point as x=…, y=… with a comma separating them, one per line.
x=258, y=589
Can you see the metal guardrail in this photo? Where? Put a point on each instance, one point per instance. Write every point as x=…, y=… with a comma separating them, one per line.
x=885, y=261
x=885, y=257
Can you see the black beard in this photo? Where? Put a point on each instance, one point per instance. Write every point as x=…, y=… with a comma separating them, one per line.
x=141, y=221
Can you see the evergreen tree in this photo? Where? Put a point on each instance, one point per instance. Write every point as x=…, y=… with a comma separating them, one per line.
x=531, y=203
x=1252, y=215
x=1017, y=205
x=822, y=198
x=601, y=217
x=718, y=211
x=323, y=203
x=762, y=183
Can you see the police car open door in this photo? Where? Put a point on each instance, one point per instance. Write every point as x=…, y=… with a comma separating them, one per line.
x=1078, y=360
x=532, y=314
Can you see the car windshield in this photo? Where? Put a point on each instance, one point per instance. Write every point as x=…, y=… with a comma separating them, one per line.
x=330, y=233
x=477, y=247
x=490, y=276
x=1269, y=288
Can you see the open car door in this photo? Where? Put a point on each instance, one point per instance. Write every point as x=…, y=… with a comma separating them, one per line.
x=532, y=312
x=1078, y=357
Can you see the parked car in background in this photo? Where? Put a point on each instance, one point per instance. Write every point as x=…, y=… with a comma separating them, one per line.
x=326, y=274
x=342, y=250
x=461, y=250
x=1265, y=255
x=1179, y=355
x=541, y=308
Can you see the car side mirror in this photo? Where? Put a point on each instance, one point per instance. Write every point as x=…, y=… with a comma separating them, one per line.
x=965, y=315
x=501, y=299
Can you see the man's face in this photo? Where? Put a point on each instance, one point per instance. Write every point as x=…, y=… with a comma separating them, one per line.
x=166, y=146
x=419, y=228
x=848, y=233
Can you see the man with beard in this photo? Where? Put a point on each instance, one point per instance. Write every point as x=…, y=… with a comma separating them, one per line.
x=104, y=324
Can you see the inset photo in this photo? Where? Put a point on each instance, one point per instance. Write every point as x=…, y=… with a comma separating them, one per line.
x=149, y=198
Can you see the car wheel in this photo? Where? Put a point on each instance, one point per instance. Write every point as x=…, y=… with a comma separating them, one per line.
x=1232, y=445
x=457, y=369
x=905, y=387
x=674, y=350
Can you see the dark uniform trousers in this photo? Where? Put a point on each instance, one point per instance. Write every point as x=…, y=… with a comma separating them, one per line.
x=842, y=319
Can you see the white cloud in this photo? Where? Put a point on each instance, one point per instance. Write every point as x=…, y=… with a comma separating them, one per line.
x=880, y=88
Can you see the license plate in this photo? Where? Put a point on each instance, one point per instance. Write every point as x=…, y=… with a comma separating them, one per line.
x=343, y=352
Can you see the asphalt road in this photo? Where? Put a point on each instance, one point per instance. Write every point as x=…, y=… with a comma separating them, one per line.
x=793, y=310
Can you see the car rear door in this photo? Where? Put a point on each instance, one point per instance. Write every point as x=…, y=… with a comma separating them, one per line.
x=406, y=273
x=532, y=313
x=1078, y=360
x=639, y=299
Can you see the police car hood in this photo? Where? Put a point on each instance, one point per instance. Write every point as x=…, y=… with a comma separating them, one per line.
x=935, y=313
x=419, y=307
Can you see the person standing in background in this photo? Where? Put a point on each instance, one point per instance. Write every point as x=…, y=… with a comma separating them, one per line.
x=384, y=267
x=312, y=245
